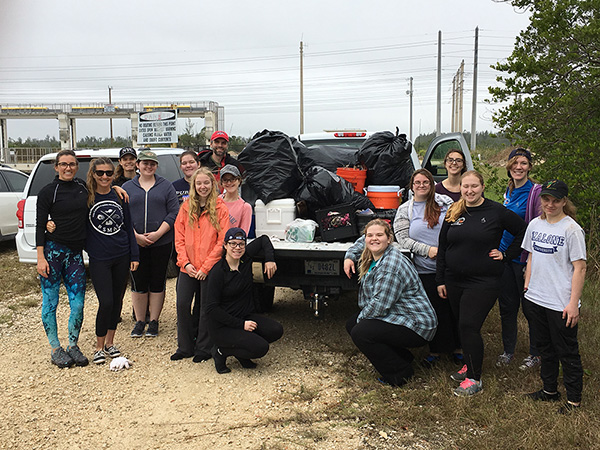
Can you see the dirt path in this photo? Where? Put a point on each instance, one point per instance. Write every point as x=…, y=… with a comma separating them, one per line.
x=162, y=404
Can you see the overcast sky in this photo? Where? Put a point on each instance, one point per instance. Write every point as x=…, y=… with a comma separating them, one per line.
x=244, y=55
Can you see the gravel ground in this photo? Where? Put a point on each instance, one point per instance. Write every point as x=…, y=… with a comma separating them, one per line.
x=158, y=403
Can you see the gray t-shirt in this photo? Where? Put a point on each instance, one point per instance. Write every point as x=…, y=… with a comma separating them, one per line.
x=419, y=231
x=553, y=248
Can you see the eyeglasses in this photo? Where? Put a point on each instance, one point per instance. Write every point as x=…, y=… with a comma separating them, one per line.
x=421, y=183
x=236, y=244
x=64, y=165
x=228, y=180
x=101, y=173
x=455, y=160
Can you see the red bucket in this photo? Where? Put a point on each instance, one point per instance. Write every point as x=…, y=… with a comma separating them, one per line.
x=355, y=176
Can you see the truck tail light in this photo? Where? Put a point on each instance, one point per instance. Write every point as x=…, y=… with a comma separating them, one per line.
x=348, y=134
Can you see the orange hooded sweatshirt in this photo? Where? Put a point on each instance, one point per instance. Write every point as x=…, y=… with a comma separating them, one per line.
x=200, y=244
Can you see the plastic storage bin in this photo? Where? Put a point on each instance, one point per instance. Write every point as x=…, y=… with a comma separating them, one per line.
x=273, y=218
x=337, y=223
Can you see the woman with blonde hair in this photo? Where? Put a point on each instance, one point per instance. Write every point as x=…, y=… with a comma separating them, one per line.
x=469, y=268
x=200, y=229
x=395, y=313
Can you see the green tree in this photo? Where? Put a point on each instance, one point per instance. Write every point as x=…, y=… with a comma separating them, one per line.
x=190, y=140
x=552, y=79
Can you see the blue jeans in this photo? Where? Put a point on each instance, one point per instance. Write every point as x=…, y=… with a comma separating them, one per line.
x=67, y=265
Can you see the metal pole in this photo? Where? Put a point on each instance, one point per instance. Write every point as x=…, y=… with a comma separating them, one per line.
x=111, y=124
x=410, y=126
x=474, y=107
x=301, y=87
x=438, y=122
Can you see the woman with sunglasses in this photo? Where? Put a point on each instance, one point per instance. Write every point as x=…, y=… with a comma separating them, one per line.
x=522, y=196
x=154, y=206
x=240, y=212
x=113, y=252
x=234, y=327
x=417, y=227
x=200, y=228
x=454, y=162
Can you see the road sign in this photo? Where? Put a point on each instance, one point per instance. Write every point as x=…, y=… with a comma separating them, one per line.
x=157, y=127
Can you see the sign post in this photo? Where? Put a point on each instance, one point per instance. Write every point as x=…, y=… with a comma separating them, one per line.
x=158, y=127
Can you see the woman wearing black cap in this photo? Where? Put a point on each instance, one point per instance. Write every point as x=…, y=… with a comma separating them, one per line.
x=126, y=167
x=522, y=196
x=232, y=323
x=553, y=285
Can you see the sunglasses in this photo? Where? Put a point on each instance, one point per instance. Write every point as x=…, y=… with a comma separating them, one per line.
x=101, y=173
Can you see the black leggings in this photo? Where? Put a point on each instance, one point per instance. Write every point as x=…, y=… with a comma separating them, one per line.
x=247, y=344
x=386, y=346
x=110, y=281
x=151, y=274
x=471, y=306
x=446, y=337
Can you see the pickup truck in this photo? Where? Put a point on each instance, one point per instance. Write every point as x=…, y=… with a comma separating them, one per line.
x=316, y=268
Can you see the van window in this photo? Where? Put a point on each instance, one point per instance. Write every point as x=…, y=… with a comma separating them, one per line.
x=168, y=167
x=16, y=181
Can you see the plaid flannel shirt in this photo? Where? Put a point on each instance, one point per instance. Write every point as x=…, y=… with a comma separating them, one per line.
x=393, y=292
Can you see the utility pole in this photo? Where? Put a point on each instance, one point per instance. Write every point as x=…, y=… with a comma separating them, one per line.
x=474, y=107
x=410, y=93
x=110, y=103
x=301, y=87
x=461, y=90
x=438, y=122
x=453, y=121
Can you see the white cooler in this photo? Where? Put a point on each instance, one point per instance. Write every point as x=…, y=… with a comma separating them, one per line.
x=273, y=218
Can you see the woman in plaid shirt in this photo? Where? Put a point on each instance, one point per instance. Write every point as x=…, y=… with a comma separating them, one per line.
x=395, y=313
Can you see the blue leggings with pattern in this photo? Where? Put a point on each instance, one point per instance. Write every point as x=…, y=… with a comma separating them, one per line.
x=67, y=265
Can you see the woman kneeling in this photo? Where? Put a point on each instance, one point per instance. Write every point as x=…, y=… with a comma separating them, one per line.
x=395, y=312
x=233, y=326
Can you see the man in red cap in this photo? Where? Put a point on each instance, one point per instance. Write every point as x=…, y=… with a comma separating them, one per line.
x=217, y=157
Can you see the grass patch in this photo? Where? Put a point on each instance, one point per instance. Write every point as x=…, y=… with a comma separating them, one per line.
x=16, y=279
x=5, y=318
x=498, y=418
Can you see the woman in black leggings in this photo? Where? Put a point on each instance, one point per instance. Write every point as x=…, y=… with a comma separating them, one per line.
x=233, y=326
x=113, y=251
x=470, y=267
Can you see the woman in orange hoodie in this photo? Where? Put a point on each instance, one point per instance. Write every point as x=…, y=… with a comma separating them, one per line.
x=200, y=228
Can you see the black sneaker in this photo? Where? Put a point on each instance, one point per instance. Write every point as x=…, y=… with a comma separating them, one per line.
x=61, y=358
x=220, y=361
x=568, y=408
x=138, y=330
x=543, y=396
x=78, y=357
x=112, y=351
x=99, y=357
x=152, y=330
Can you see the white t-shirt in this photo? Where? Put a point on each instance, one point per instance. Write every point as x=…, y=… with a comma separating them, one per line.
x=553, y=248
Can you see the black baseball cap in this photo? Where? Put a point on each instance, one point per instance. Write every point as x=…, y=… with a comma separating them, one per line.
x=520, y=152
x=235, y=233
x=555, y=188
x=127, y=151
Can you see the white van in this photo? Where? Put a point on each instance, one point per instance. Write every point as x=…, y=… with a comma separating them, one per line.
x=43, y=173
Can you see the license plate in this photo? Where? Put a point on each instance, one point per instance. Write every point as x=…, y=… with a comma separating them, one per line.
x=322, y=267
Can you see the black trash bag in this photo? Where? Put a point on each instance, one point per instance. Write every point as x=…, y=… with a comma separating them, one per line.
x=387, y=158
x=322, y=188
x=271, y=165
x=329, y=157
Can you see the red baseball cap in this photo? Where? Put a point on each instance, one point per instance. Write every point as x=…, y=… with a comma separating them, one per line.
x=219, y=134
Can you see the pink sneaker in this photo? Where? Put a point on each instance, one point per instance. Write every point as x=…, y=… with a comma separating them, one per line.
x=468, y=387
x=460, y=375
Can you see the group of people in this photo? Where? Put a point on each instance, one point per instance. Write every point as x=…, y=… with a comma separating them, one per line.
x=129, y=220
x=469, y=251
